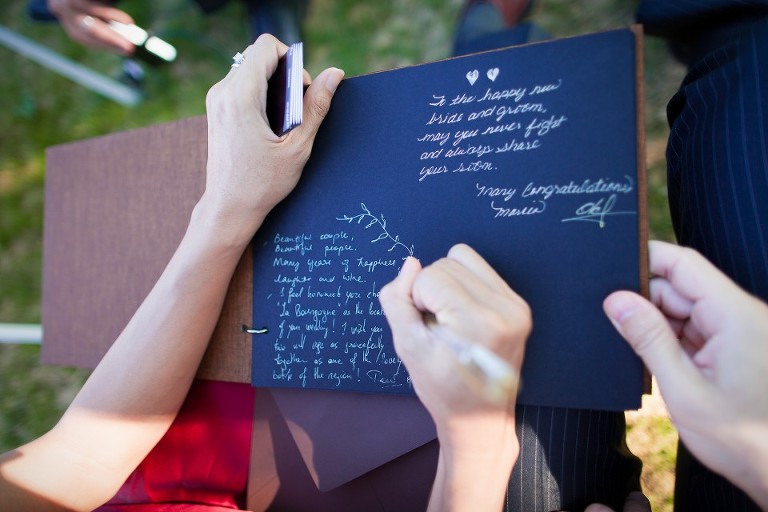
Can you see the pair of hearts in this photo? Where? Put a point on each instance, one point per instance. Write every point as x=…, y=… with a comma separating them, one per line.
x=473, y=75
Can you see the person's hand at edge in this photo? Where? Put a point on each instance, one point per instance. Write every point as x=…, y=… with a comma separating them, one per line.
x=86, y=22
x=706, y=341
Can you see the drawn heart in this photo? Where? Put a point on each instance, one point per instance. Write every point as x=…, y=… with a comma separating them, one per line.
x=472, y=76
x=493, y=73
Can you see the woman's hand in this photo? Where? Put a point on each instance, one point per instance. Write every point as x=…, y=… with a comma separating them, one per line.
x=250, y=169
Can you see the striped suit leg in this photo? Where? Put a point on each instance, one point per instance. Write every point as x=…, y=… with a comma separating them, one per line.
x=717, y=160
x=570, y=458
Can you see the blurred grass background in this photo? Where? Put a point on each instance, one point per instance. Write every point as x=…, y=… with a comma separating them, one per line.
x=39, y=108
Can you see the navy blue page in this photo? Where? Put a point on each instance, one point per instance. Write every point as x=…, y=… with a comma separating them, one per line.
x=527, y=154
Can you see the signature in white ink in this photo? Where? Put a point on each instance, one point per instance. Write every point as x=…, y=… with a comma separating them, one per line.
x=597, y=211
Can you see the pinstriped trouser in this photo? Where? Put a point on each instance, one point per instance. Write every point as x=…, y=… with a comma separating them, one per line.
x=717, y=160
x=570, y=458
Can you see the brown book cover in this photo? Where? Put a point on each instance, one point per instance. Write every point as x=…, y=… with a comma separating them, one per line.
x=116, y=208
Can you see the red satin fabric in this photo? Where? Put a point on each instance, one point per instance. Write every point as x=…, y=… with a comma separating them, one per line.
x=201, y=464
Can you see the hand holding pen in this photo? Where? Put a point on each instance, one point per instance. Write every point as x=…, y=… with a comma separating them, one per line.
x=97, y=24
x=86, y=21
x=457, y=323
x=461, y=332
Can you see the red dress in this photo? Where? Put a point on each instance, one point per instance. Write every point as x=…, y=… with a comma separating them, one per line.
x=201, y=464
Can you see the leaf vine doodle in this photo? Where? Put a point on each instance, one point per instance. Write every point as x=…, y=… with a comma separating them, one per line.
x=373, y=220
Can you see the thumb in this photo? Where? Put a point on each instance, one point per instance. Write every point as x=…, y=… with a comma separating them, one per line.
x=397, y=302
x=317, y=100
x=651, y=337
x=396, y=297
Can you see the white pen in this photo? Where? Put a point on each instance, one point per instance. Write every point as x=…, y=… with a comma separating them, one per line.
x=485, y=372
x=140, y=38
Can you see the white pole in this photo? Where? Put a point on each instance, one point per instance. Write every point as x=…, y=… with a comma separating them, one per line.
x=79, y=74
x=28, y=334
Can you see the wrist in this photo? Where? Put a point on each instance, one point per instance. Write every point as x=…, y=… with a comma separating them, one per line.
x=223, y=227
x=751, y=474
x=474, y=468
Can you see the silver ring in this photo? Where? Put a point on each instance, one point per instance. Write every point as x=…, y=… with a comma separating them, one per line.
x=87, y=22
x=237, y=60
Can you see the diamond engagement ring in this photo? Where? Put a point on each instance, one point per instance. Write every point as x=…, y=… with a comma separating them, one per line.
x=237, y=60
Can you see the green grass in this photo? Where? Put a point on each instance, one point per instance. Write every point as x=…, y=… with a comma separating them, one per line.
x=653, y=438
x=39, y=109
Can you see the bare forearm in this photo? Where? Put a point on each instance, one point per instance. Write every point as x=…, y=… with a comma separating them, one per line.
x=132, y=397
x=475, y=480
x=162, y=345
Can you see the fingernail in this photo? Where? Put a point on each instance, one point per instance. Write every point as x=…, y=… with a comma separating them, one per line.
x=621, y=307
x=407, y=263
x=332, y=78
